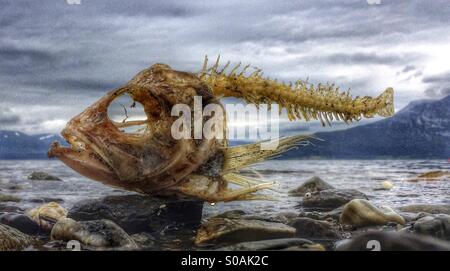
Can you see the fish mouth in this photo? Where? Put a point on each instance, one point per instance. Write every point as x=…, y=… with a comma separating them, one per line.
x=83, y=160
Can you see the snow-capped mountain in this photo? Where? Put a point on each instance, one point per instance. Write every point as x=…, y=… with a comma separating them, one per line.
x=17, y=145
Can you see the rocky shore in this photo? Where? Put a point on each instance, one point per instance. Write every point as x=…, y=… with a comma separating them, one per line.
x=326, y=218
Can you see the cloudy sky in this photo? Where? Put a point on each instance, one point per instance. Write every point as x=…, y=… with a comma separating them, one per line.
x=56, y=58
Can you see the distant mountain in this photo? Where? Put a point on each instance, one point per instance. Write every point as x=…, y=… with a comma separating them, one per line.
x=420, y=130
x=17, y=145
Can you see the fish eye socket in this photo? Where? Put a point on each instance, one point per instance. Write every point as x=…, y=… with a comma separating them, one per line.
x=128, y=115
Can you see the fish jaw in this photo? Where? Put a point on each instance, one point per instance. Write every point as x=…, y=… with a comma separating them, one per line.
x=85, y=163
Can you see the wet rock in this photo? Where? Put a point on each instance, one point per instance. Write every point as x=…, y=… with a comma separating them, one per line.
x=385, y=185
x=410, y=217
x=332, y=215
x=273, y=244
x=20, y=222
x=140, y=213
x=314, y=229
x=13, y=239
x=9, y=198
x=314, y=184
x=282, y=217
x=361, y=213
x=46, y=200
x=313, y=247
x=437, y=175
x=98, y=234
x=47, y=215
x=437, y=226
x=331, y=198
x=6, y=208
x=426, y=208
x=285, y=217
x=232, y=214
x=144, y=240
x=14, y=187
x=392, y=241
x=228, y=231
x=42, y=176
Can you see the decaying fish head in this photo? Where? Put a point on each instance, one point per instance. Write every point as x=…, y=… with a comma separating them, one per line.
x=149, y=161
x=154, y=162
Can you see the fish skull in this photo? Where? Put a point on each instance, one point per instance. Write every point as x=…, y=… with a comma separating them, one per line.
x=148, y=162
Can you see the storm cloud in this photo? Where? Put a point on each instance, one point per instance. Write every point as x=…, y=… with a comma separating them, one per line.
x=438, y=85
x=56, y=59
x=7, y=118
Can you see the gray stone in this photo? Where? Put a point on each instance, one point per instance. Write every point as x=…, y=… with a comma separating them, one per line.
x=392, y=241
x=314, y=184
x=332, y=215
x=97, y=234
x=6, y=208
x=282, y=217
x=314, y=229
x=437, y=226
x=46, y=200
x=230, y=231
x=273, y=244
x=144, y=240
x=9, y=198
x=232, y=214
x=140, y=213
x=331, y=198
x=285, y=217
x=426, y=208
x=42, y=176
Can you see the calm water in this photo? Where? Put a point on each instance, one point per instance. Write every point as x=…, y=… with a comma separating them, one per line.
x=361, y=175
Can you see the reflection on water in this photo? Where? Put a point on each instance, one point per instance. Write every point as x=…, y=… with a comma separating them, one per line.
x=364, y=175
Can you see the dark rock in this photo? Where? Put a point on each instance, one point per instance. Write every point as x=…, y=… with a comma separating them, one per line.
x=12, y=239
x=273, y=244
x=139, y=213
x=14, y=187
x=332, y=215
x=9, y=198
x=313, y=247
x=232, y=214
x=409, y=217
x=392, y=241
x=144, y=240
x=21, y=222
x=98, y=234
x=426, y=208
x=437, y=226
x=314, y=229
x=285, y=217
x=10, y=208
x=230, y=231
x=46, y=200
x=42, y=176
x=331, y=198
x=314, y=184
